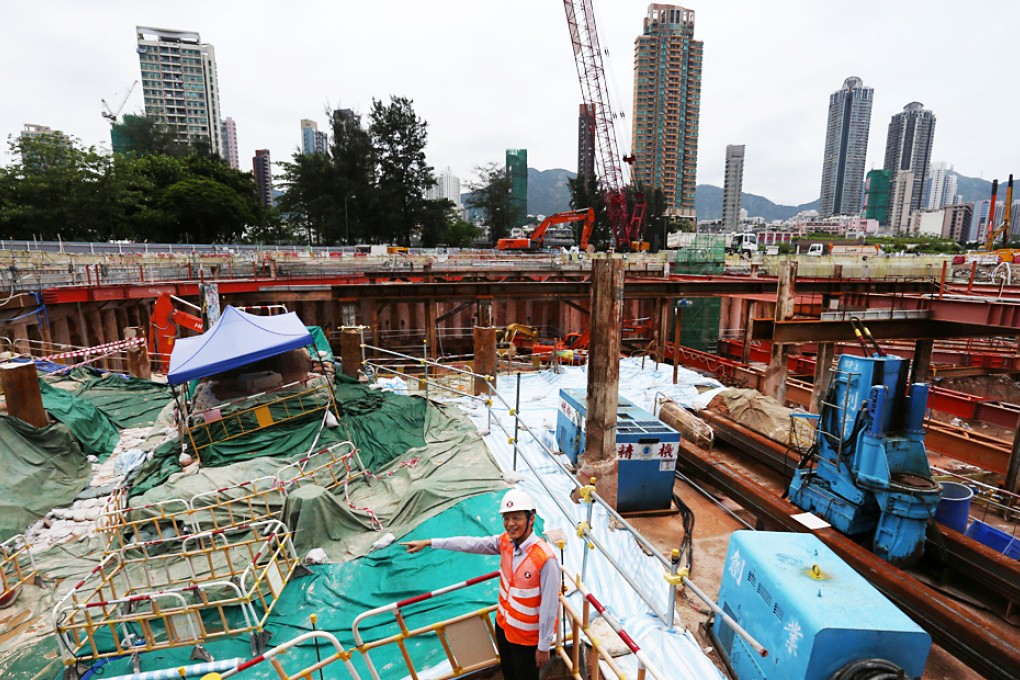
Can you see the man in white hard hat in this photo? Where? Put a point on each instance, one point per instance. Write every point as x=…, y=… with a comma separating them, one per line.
x=529, y=582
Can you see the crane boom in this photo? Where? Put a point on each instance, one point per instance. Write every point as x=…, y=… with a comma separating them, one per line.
x=591, y=75
x=111, y=115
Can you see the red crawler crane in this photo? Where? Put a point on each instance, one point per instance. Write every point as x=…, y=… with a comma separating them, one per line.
x=592, y=76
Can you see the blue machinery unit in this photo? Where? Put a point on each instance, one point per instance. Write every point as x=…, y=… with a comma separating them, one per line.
x=647, y=451
x=872, y=478
x=812, y=612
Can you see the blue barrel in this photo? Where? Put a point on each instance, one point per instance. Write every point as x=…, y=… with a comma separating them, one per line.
x=954, y=508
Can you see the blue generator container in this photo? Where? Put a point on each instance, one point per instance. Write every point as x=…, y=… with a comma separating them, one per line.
x=647, y=451
x=811, y=611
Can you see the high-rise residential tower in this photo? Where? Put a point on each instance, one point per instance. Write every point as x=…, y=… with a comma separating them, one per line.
x=447, y=186
x=180, y=85
x=585, y=143
x=312, y=141
x=667, y=102
x=733, y=184
x=228, y=131
x=263, y=170
x=846, y=145
x=940, y=188
x=908, y=146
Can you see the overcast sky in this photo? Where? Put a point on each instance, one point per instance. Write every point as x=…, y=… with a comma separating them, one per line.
x=489, y=75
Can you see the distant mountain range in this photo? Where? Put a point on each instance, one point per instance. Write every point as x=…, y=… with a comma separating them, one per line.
x=549, y=193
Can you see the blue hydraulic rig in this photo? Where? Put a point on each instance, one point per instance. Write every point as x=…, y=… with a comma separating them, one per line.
x=870, y=478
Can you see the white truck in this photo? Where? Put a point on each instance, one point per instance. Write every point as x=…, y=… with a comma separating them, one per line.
x=860, y=249
x=744, y=243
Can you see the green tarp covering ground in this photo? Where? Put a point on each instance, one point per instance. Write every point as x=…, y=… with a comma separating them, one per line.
x=127, y=402
x=383, y=426
x=90, y=426
x=42, y=468
x=433, y=476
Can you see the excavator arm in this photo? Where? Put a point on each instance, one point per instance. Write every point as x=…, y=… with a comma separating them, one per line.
x=537, y=237
x=165, y=324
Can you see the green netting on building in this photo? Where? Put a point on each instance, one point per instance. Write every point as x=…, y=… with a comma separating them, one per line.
x=517, y=171
x=699, y=324
x=706, y=254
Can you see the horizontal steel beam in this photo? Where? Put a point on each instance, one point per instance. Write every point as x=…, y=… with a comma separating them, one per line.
x=636, y=288
x=802, y=331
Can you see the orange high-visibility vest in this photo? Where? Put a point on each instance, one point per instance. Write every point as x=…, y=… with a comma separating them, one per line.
x=520, y=594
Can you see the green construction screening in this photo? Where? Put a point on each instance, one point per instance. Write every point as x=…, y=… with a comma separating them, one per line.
x=700, y=317
x=517, y=170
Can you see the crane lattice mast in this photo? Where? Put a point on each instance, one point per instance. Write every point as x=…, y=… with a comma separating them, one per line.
x=592, y=76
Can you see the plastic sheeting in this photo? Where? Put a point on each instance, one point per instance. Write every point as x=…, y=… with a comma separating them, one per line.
x=674, y=651
x=763, y=414
x=126, y=401
x=42, y=468
x=320, y=344
x=90, y=426
x=382, y=426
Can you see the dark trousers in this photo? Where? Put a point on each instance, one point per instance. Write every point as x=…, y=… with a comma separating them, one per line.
x=516, y=661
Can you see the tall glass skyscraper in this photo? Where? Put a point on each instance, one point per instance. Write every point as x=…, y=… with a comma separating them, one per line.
x=846, y=145
x=667, y=103
x=180, y=85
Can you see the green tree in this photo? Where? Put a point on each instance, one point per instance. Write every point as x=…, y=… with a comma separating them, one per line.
x=55, y=187
x=333, y=194
x=461, y=234
x=205, y=210
x=398, y=138
x=490, y=193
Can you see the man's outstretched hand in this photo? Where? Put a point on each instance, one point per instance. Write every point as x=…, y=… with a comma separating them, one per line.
x=417, y=546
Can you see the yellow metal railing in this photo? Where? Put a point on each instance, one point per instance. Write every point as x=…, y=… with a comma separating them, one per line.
x=177, y=591
x=217, y=426
x=16, y=567
x=249, y=501
x=468, y=642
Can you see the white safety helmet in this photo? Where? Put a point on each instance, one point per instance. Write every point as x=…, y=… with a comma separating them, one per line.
x=516, y=500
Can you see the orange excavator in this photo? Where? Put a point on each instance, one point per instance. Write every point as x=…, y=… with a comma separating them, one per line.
x=165, y=324
x=631, y=329
x=537, y=237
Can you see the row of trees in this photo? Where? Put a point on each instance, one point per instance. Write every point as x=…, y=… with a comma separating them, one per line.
x=370, y=186
x=161, y=191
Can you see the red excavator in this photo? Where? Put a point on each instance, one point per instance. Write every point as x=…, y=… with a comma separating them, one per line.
x=537, y=237
x=165, y=324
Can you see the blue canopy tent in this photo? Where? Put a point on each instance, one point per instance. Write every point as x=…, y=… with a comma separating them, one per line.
x=237, y=339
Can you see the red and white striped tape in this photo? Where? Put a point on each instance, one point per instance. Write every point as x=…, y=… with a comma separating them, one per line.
x=98, y=349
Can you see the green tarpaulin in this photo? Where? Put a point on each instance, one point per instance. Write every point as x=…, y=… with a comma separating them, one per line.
x=321, y=343
x=128, y=402
x=382, y=425
x=90, y=426
x=42, y=468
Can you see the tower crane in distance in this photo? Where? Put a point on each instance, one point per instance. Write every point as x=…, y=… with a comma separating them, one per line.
x=111, y=115
x=584, y=38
